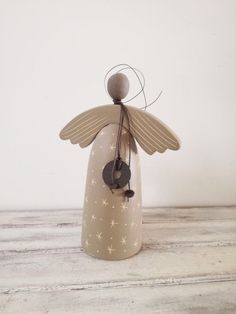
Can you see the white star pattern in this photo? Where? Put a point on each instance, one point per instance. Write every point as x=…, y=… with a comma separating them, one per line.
x=113, y=223
x=123, y=241
x=93, y=218
x=123, y=207
x=132, y=224
x=110, y=249
x=99, y=235
x=135, y=243
x=124, y=218
x=104, y=203
x=93, y=181
x=112, y=147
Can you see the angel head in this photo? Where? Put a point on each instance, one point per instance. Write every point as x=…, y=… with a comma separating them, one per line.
x=118, y=86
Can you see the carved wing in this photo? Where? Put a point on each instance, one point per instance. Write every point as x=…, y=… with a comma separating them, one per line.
x=83, y=128
x=150, y=132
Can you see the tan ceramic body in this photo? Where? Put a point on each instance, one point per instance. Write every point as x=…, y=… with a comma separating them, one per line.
x=112, y=226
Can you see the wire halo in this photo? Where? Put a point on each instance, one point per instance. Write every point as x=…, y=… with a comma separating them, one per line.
x=142, y=83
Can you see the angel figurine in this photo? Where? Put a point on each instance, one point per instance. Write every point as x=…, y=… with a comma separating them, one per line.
x=112, y=212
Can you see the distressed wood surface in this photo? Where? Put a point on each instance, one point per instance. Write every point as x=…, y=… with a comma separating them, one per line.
x=187, y=265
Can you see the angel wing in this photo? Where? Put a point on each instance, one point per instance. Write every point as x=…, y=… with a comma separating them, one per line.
x=150, y=132
x=83, y=128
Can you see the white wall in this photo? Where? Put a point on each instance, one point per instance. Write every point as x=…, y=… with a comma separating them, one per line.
x=53, y=57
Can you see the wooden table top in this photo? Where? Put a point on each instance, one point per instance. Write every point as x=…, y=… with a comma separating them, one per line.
x=187, y=265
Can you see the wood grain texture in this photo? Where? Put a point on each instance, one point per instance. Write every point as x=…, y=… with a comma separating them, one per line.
x=187, y=265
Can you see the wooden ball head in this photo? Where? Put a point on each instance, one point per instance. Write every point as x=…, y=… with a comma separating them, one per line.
x=118, y=86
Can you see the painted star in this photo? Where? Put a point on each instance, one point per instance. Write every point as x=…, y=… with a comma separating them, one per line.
x=113, y=223
x=112, y=147
x=93, y=181
x=132, y=224
x=123, y=241
x=110, y=249
x=104, y=203
x=123, y=206
x=135, y=243
x=93, y=218
x=99, y=235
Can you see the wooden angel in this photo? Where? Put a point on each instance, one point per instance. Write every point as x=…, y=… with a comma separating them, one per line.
x=112, y=213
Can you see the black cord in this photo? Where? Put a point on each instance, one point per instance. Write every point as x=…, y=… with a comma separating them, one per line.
x=124, y=115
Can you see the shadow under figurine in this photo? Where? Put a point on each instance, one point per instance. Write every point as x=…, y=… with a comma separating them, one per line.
x=112, y=215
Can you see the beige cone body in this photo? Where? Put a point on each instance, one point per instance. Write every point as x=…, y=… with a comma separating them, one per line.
x=112, y=225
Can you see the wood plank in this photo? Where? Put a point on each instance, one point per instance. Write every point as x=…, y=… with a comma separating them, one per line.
x=217, y=298
x=29, y=218
x=187, y=264
x=190, y=214
x=10, y=219
x=60, y=229
x=201, y=233
x=58, y=267
x=158, y=234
